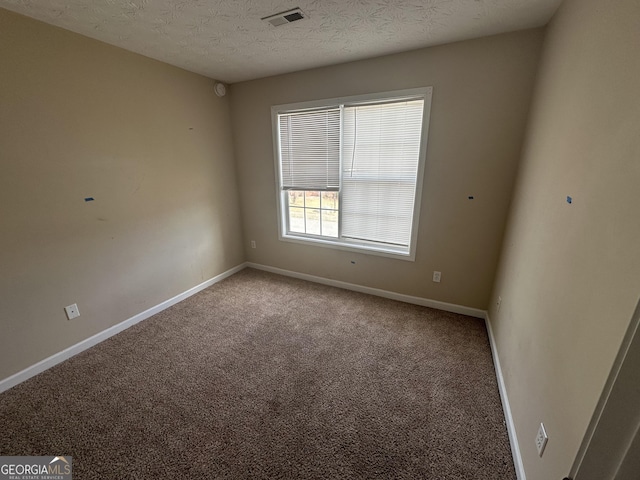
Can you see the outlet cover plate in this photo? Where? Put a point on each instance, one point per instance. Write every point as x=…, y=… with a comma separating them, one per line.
x=72, y=311
x=437, y=276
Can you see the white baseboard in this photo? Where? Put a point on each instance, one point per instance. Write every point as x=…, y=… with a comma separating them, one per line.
x=506, y=407
x=425, y=302
x=67, y=353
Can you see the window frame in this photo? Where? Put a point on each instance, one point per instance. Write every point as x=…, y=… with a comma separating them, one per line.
x=359, y=246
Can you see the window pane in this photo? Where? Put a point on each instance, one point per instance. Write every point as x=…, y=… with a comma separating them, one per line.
x=312, y=217
x=312, y=199
x=296, y=219
x=296, y=198
x=330, y=223
x=330, y=200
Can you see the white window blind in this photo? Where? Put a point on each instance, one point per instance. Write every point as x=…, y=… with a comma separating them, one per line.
x=381, y=150
x=310, y=149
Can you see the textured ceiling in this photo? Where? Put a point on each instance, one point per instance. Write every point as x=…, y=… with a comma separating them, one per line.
x=226, y=40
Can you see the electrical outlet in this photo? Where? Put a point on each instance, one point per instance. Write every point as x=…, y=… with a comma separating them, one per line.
x=72, y=311
x=498, y=303
x=541, y=439
x=436, y=276
x=253, y=244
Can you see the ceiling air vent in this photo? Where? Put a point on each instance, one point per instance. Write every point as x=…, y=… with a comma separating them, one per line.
x=283, y=18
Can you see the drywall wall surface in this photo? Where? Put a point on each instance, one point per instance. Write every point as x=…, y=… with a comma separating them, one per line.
x=569, y=275
x=150, y=143
x=481, y=95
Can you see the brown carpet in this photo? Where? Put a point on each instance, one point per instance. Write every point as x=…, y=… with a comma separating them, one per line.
x=263, y=376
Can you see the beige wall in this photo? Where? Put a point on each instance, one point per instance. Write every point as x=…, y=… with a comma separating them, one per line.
x=480, y=102
x=569, y=275
x=150, y=142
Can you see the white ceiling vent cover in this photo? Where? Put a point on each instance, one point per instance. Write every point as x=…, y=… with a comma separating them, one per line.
x=283, y=18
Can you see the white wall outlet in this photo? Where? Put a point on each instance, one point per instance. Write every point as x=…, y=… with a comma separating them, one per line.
x=498, y=303
x=72, y=311
x=253, y=244
x=541, y=439
x=436, y=276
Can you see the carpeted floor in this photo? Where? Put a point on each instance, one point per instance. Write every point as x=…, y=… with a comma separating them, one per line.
x=267, y=377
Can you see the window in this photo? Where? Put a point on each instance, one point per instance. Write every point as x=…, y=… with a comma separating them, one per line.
x=349, y=171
